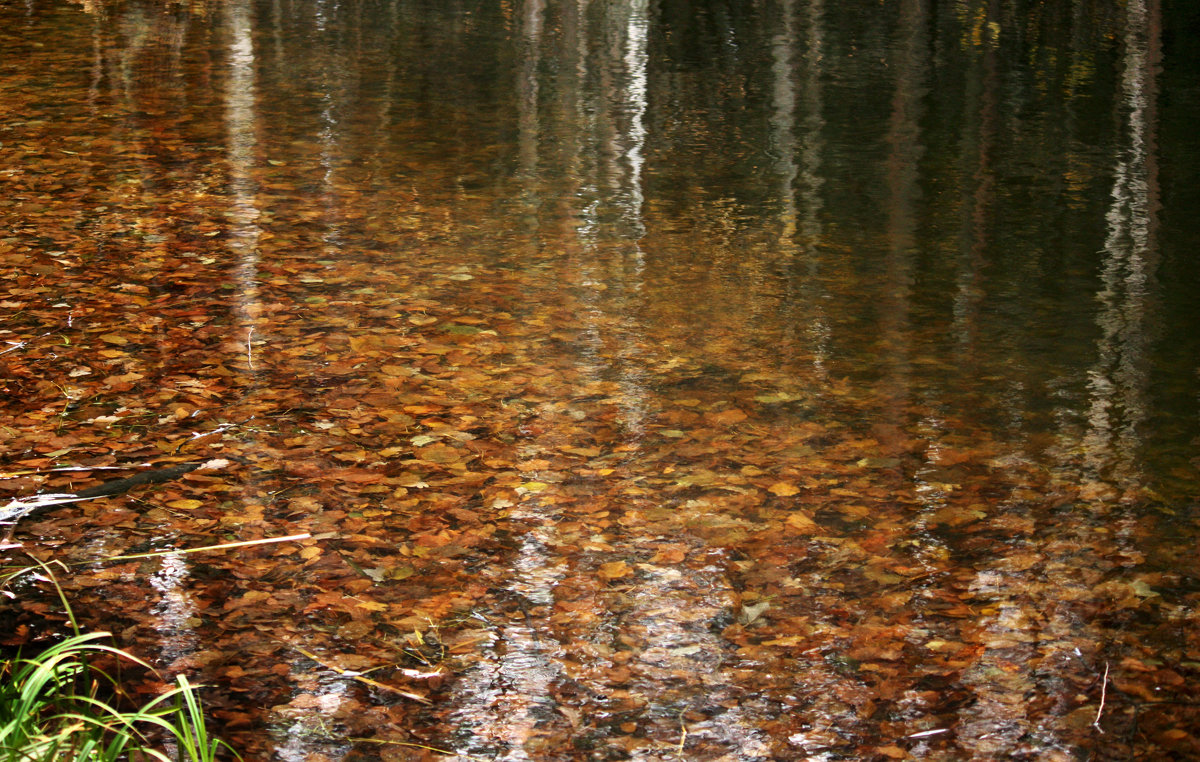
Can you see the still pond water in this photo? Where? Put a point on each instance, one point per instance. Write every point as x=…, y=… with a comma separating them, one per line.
x=770, y=380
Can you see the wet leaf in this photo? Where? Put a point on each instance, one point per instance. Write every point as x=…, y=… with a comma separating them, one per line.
x=727, y=417
x=800, y=521
x=752, y=611
x=700, y=478
x=771, y=398
x=878, y=462
x=614, y=570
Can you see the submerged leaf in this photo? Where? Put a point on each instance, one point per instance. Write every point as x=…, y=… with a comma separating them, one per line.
x=802, y=522
x=614, y=570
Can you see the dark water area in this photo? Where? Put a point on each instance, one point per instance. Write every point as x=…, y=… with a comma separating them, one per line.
x=787, y=379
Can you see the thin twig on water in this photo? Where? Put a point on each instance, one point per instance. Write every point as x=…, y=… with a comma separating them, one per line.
x=387, y=742
x=1103, y=698
x=683, y=733
x=223, y=546
x=360, y=677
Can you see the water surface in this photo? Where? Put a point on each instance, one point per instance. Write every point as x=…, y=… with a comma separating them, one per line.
x=722, y=381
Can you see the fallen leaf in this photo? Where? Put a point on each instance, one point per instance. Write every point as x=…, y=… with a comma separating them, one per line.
x=801, y=521
x=614, y=570
x=727, y=417
x=752, y=611
x=783, y=489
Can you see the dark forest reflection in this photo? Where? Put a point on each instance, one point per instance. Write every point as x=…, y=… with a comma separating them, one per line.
x=943, y=183
x=810, y=379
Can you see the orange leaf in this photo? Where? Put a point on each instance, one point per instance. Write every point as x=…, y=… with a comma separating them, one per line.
x=732, y=415
x=800, y=521
x=614, y=570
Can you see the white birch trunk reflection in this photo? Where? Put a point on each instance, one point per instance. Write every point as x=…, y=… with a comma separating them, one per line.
x=783, y=150
x=810, y=184
x=796, y=148
x=242, y=143
x=1119, y=382
x=610, y=195
x=633, y=139
x=632, y=100
x=528, y=122
x=978, y=157
x=503, y=698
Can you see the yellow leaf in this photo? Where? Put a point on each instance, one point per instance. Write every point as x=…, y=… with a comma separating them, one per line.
x=113, y=338
x=185, y=505
x=783, y=489
x=312, y=551
x=790, y=640
x=372, y=605
x=854, y=512
x=586, y=452
x=801, y=521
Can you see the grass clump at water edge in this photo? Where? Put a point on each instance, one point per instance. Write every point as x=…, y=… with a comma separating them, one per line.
x=52, y=710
